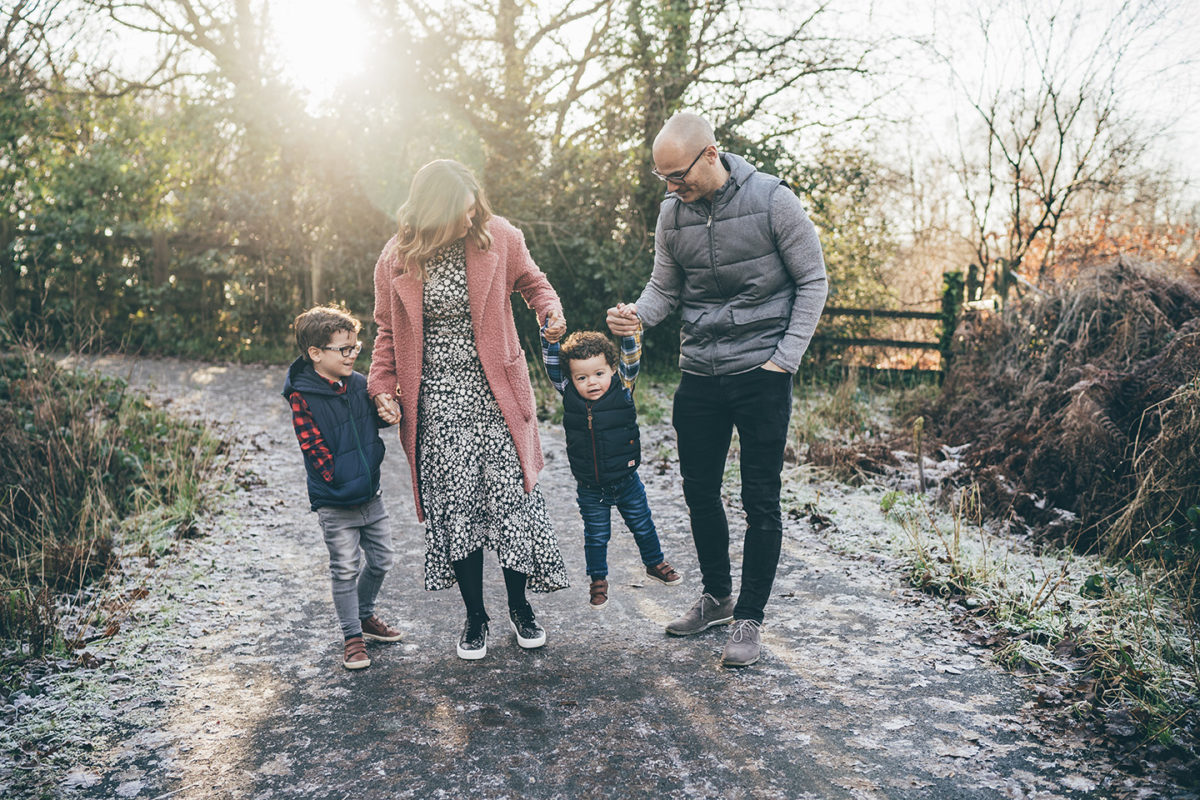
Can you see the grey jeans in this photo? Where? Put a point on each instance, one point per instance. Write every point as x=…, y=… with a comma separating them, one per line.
x=360, y=554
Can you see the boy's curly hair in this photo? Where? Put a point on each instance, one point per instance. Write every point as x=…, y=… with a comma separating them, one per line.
x=586, y=344
x=316, y=327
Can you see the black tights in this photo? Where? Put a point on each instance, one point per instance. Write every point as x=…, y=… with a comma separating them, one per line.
x=469, y=572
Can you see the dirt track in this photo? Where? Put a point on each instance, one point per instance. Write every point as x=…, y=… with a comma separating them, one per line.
x=228, y=679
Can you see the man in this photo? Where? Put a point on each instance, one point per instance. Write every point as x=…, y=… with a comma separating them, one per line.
x=734, y=248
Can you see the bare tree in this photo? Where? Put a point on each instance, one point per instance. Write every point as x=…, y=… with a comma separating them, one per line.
x=742, y=63
x=1050, y=123
x=536, y=80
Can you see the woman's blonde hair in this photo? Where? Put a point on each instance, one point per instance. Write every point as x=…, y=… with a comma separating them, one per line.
x=432, y=216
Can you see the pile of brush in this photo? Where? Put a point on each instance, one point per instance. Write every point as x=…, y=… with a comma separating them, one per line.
x=1081, y=408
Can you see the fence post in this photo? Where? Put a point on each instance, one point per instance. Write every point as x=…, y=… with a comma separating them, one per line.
x=952, y=303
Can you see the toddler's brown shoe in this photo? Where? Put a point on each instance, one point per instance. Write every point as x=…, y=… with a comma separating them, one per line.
x=599, y=593
x=355, y=654
x=377, y=630
x=664, y=573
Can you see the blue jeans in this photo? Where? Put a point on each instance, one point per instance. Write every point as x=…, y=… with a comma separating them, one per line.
x=629, y=496
x=759, y=404
x=360, y=554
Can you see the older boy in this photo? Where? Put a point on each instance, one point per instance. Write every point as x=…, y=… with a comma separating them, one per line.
x=338, y=429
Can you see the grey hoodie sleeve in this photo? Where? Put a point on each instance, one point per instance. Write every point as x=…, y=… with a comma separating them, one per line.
x=661, y=295
x=798, y=245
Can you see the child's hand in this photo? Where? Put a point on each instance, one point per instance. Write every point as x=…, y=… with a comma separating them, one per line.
x=556, y=326
x=388, y=408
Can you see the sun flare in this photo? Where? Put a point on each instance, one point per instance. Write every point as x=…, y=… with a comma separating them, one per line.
x=320, y=43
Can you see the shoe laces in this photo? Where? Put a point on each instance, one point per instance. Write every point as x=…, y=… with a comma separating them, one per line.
x=743, y=629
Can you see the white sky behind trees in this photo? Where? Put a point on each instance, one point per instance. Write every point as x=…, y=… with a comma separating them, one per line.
x=943, y=55
x=936, y=55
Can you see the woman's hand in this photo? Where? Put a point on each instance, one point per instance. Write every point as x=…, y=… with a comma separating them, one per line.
x=388, y=408
x=556, y=326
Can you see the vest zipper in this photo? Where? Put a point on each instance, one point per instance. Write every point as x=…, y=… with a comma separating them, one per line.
x=357, y=439
x=712, y=254
x=592, y=433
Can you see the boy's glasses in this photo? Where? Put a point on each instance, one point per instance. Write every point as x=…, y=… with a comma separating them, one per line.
x=348, y=350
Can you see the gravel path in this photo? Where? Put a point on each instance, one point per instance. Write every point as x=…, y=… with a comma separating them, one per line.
x=225, y=681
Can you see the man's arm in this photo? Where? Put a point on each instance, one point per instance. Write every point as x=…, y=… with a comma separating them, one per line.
x=798, y=245
x=661, y=295
x=312, y=443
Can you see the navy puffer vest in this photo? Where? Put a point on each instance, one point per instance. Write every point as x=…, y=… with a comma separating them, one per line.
x=603, y=443
x=347, y=423
x=737, y=294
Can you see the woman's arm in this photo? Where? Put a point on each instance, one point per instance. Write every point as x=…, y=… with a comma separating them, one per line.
x=381, y=380
x=526, y=278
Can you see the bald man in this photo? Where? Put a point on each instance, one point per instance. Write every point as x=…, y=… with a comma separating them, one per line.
x=734, y=248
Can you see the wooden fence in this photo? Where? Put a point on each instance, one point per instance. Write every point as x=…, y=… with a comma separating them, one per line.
x=952, y=303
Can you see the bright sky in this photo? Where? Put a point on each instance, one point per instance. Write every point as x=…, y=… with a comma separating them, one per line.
x=323, y=42
x=1159, y=73
x=320, y=43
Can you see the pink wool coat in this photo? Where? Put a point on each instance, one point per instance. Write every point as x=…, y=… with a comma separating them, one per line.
x=492, y=277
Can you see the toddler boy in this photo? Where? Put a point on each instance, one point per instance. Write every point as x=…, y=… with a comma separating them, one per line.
x=338, y=429
x=604, y=448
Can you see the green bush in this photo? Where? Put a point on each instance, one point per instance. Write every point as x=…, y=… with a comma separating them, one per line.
x=85, y=455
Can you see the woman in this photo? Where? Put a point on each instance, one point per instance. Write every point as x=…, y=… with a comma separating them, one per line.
x=447, y=365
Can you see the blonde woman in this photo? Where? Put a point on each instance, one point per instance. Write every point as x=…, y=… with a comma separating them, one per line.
x=447, y=365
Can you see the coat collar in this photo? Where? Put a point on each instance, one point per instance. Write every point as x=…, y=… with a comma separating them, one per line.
x=482, y=272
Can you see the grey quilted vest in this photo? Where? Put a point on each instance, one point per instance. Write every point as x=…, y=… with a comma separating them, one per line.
x=737, y=295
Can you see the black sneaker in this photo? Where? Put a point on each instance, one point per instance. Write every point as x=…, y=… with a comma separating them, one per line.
x=525, y=626
x=473, y=642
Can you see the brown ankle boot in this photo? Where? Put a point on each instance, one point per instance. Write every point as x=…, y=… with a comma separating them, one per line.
x=355, y=654
x=599, y=593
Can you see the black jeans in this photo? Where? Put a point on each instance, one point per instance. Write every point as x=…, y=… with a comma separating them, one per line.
x=759, y=404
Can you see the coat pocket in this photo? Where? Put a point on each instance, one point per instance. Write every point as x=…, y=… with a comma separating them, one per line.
x=763, y=315
x=517, y=372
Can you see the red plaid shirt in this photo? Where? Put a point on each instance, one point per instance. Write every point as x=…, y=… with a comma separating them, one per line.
x=311, y=442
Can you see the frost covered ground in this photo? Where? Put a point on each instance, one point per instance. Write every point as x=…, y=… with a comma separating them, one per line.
x=224, y=680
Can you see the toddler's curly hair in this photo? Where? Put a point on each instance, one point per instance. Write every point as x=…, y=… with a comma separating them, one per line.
x=586, y=344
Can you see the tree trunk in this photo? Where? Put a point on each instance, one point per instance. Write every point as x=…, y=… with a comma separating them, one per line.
x=317, y=265
x=8, y=268
x=160, y=248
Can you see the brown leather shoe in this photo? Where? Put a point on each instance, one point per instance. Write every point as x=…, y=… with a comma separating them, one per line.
x=664, y=573
x=599, y=592
x=355, y=654
x=376, y=630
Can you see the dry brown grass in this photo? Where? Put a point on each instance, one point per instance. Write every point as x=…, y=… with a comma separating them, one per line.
x=1066, y=398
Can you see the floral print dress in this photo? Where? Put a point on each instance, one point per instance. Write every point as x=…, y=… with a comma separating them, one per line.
x=470, y=478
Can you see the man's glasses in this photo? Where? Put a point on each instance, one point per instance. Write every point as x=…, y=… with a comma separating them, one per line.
x=680, y=177
x=348, y=350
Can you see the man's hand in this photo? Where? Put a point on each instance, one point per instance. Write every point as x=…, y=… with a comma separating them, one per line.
x=556, y=326
x=389, y=409
x=623, y=319
x=771, y=366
